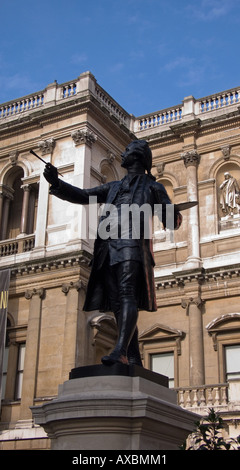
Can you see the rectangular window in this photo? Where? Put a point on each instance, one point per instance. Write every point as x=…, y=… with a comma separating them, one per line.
x=19, y=375
x=164, y=364
x=232, y=356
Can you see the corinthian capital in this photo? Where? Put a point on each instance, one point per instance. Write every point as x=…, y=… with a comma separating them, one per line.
x=83, y=136
x=190, y=158
x=46, y=146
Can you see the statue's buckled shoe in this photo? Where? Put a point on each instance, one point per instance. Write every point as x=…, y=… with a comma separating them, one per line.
x=114, y=359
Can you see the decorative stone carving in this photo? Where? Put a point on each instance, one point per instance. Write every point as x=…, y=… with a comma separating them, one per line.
x=110, y=156
x=13, y=156
x=46, y=146
x=30, y=292
x=226, y=152
x=185, y=303
x=160, y=168
x=76, y=285
x=229, y=195
x=83, y=136
x=190, y=158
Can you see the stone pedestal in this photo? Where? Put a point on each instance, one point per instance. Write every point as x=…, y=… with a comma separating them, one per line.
x=114, y=408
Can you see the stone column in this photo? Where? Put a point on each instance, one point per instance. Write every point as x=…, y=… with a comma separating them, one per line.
x=35, y=297
x=191, y=161
x=25, y=208
x=196, y=351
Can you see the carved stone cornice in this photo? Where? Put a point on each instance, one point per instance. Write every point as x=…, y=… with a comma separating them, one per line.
x=190, y=158
x=31, y=267
x=46, y=146
x=29, y=293
x=83, y=136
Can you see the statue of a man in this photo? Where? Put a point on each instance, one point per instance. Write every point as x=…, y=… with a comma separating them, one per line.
x=122, y=277
x=229, y=195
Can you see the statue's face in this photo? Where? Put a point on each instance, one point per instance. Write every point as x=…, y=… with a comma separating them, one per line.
x=129, y=155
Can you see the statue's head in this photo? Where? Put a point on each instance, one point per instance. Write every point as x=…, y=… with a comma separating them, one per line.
x=141, y=151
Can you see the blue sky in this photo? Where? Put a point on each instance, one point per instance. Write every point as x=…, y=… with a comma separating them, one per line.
x=147, y=54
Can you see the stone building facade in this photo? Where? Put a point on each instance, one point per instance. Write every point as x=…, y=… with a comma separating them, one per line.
x=194, y=337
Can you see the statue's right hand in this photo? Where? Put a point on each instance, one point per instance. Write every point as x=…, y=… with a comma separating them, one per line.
x=51, y=174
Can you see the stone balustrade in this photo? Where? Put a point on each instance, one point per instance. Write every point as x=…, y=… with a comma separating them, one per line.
x=55, y=93
x=21, y=105
x=203, y=397
x=219, y=100
x=200, y=108
x=166, y=116
x=17, y=245
x=86, y=83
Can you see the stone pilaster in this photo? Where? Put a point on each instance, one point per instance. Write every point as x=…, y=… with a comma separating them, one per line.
x=83, y=140
x=191, y=161
x=193, y=307
x=71, y=328
x=35, y=297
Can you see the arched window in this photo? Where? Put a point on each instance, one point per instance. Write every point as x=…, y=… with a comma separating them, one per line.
x=18, y=208
x=108, y=171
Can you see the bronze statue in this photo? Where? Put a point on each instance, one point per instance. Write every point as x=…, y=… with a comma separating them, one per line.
x=122, y=277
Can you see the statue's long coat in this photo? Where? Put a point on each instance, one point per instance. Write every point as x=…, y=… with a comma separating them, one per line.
x=145, y=191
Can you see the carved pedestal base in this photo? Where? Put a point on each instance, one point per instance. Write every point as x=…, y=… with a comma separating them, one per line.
x=117, y=408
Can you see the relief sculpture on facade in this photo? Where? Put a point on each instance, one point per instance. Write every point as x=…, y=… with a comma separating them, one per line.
x=229, y=196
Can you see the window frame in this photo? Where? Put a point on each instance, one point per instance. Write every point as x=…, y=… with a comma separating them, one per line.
x=162, y=353
x=16, y=336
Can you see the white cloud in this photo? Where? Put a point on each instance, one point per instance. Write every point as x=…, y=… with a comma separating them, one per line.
x=15, y=86
x=208, y=10
x=116, y=67
x=78, y=58
x=178, y=62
